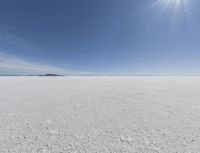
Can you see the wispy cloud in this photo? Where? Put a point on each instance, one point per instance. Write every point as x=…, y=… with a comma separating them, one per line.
x=9, y=40
x=17, y=66
x=14, y=65
x=10, y=64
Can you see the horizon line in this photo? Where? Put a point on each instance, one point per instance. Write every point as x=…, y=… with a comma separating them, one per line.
x=4, y=75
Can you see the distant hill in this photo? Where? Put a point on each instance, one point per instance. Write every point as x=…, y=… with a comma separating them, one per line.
x=51, y=74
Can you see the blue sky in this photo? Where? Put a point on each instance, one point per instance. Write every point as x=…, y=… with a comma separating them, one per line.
x=130, y=37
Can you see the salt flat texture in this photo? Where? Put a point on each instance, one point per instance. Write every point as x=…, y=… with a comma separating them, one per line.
x=100, y=114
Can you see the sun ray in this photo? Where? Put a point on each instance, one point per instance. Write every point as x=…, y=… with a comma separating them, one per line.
x=175, y=7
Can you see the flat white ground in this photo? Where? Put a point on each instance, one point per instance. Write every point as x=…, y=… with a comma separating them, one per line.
x=100, y=114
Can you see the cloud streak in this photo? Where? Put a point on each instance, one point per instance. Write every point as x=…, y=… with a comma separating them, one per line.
x=14, y=65
x=9, y=41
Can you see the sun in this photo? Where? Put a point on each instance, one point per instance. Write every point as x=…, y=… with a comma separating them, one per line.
x=175, y=5
x=177, y=10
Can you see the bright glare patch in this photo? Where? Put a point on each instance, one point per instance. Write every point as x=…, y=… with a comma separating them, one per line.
x=176, y=7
